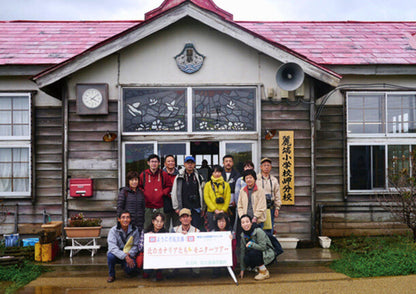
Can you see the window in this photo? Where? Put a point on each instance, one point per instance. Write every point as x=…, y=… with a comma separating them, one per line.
x=381, y=129
x=15, y=150
x=224, y=109
x=154, y=110
x=188, y=110
x=387, y=113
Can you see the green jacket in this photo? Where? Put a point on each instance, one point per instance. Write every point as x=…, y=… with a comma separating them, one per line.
x=262, y=243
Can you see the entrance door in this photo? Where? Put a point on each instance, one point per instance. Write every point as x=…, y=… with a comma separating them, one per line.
x=241, y=151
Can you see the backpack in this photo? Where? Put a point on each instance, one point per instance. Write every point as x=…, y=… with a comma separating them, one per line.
x=277, y=248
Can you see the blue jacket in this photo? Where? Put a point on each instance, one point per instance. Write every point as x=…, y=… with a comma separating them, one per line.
x=117, y=238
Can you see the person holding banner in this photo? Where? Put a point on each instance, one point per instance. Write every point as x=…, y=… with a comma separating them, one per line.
x=123, y=240
x=271, y=188
x=222, y=224
x=217, y=196
x=256, y=249
x=157, y=226
x=185, y=217
x=252, y=200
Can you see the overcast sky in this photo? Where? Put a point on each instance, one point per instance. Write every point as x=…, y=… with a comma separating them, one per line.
x=261, y=10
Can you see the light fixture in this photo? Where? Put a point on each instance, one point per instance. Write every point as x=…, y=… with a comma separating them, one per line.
x=269, y=134
x=109, y=137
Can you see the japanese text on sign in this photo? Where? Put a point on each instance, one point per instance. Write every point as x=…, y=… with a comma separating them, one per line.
x=287, y=167
x=176, y=250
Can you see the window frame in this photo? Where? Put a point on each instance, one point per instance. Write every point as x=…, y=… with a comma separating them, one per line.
x=189, y=111
x=385, y=118
x=21, y=142
x=375, y=139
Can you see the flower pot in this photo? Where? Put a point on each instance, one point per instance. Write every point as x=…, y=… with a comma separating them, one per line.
x=288, y=243
x=80, y=232
x=325, y=242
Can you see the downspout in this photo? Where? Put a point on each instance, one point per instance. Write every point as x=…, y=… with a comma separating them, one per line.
x=313, y=174
x=65, y=110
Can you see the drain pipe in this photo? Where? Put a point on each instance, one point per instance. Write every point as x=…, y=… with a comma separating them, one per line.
x=65, y=110
x=313, y=174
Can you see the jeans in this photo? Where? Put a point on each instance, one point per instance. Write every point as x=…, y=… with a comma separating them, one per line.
x=253, y=258
x=112, y=260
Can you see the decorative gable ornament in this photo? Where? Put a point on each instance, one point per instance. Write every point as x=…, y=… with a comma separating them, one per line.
x=189, y=60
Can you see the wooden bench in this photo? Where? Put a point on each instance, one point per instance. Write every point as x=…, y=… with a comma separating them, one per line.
x=83, y=243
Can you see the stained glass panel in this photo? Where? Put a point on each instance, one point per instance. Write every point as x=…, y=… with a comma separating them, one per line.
x=154, y=110
x=224, y=109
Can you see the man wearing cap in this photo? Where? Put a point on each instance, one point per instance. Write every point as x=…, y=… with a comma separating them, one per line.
x=271, y=188
x=185, y=227
x=185, y=217
x=187, y=192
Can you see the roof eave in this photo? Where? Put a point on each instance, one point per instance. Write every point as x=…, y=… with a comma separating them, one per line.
x=186, y=9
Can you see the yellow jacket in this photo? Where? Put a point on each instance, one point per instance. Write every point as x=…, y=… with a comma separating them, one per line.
x=222, y=189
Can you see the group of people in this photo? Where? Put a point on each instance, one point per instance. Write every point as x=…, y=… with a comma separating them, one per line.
x=191, y=200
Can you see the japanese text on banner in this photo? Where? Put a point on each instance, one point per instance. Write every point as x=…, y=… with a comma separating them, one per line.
x=176, y=250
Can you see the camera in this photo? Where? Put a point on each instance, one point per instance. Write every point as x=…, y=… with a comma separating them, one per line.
x=219, y=200
x=269, y=201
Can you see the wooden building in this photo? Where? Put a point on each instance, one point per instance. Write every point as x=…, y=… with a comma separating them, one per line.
x=188, y=79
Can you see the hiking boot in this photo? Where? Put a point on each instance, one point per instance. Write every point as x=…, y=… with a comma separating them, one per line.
x=262, y=275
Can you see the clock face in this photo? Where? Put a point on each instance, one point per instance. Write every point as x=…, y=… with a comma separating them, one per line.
x=92, y=98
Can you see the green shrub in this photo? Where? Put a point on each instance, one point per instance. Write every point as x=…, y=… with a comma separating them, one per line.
x=20, y=275
x=375, y=256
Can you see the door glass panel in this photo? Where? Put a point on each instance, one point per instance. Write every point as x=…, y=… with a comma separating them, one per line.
x=241, y=153
x=136, y=156
x=178, y=150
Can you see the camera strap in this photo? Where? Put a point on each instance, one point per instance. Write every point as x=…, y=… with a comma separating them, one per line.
x=271, y=184
x=215, y=184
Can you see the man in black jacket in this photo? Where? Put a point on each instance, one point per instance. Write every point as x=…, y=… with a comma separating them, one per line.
x=231, y=176
x=187, y=192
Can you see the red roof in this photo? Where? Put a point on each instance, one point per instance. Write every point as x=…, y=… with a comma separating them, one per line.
x=51, y=42
x=331, y=43
x=205, y=4
x=326, y=43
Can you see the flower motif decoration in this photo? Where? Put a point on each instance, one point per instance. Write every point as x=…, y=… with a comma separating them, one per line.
x=157, y=125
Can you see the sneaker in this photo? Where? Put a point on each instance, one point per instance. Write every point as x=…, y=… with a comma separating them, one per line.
x=110, y=279
x=262, y=275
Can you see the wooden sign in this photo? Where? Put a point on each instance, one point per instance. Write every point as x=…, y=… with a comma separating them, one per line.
x=287, y=167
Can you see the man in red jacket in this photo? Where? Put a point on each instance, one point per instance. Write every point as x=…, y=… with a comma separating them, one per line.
x=155, y=184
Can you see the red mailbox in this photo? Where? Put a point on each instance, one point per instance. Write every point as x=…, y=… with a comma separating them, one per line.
x=80, y=187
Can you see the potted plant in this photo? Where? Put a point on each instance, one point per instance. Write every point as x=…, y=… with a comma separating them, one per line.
x=80, y=226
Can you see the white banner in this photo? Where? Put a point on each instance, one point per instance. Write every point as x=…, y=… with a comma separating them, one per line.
x=176, y=250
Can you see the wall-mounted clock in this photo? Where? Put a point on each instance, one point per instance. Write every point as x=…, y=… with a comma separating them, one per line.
x=92, y=99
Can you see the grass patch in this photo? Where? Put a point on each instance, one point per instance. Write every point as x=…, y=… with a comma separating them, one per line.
x=16, y=276
x=375, y=256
